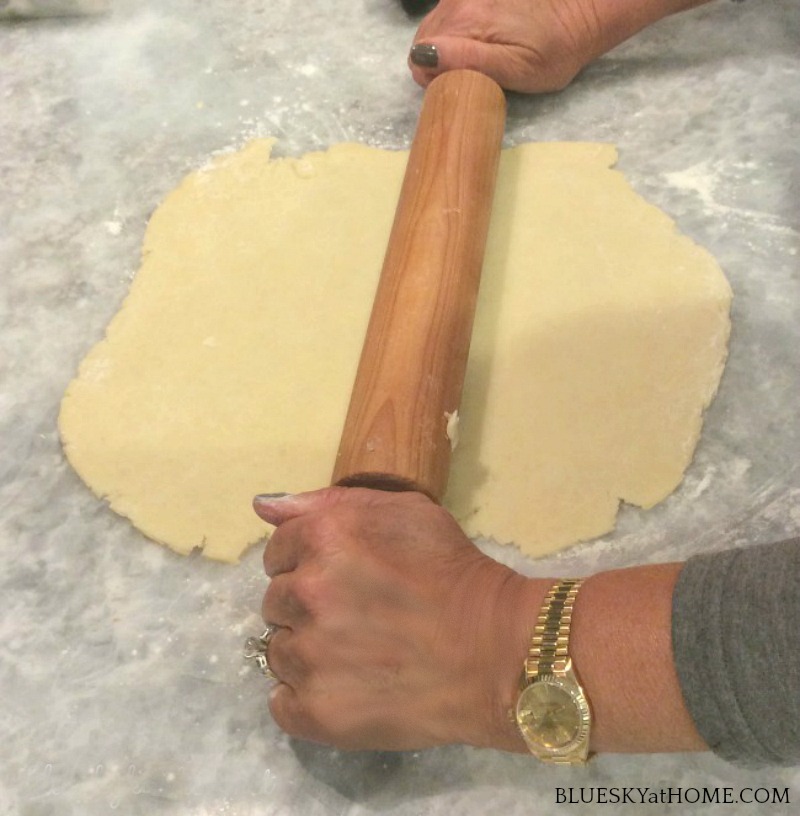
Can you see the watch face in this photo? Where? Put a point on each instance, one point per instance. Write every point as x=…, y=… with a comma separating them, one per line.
x=550, y=717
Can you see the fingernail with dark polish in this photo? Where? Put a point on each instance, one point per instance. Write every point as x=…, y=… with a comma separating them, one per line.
x=271, y=497
x=426, y=56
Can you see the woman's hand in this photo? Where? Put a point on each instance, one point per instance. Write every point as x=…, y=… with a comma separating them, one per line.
x=524, y=45
x=531, y=45
x=398, y=633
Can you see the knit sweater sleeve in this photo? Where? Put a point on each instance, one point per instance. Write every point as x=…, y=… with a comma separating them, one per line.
x=736, y=642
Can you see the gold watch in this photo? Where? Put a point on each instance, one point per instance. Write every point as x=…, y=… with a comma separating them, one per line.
x=552, y=711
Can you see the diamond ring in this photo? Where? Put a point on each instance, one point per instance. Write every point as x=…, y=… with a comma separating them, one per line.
x=256, y=648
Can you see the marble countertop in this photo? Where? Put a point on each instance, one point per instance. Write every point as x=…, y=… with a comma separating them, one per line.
x=121, y=678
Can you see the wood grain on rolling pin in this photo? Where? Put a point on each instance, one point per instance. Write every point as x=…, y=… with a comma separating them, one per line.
x=414, y=357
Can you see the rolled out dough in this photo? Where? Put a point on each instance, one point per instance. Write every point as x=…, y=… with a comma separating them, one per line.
x=600, y=338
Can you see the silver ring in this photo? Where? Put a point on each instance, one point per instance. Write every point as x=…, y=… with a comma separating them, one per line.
x=256, y=648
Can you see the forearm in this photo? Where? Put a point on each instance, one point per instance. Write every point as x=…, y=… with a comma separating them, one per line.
x=672, y=651
x=623, y=644
x=621, y=648
x=615, y=21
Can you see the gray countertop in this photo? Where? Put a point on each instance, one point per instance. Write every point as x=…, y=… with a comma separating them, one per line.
x=121, y=679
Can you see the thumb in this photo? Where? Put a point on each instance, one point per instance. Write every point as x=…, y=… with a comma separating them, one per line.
x=276, y=508
x=503, y=63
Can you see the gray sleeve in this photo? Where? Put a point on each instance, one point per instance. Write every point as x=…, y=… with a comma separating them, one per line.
x=736, y=641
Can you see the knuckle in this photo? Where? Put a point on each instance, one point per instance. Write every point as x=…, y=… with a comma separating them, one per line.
x=268, y=559
x=341, y=726
x=289, y=660
x=274, y=590
x=303, y=658
x=310, y=591
x=281, y=604
x=324, y=530
x=273, y=600
x=320, y=723
x=293, y=716
x=307, y=715
x=272, y=549
x=284, y=710
x=293, y=597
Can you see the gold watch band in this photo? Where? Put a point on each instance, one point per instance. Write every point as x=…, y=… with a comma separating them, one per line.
x=549, y=649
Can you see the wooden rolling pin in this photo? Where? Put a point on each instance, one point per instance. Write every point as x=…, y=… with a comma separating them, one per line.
x=414, y=358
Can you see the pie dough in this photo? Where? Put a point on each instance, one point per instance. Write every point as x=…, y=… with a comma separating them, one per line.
x=600, y=338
